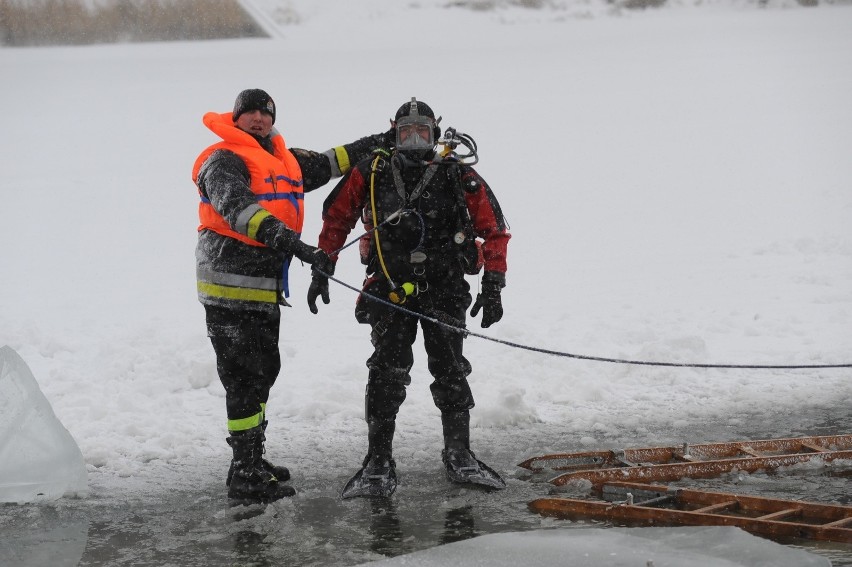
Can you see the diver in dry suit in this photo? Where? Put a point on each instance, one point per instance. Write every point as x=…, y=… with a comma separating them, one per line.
x=430, y=210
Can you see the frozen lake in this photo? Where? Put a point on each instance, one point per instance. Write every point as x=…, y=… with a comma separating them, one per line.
x=677, y=183
x=177, y=514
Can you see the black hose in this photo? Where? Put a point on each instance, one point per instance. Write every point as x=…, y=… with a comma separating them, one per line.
x=466, y=332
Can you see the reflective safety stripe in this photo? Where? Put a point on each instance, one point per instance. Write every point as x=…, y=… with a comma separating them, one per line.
x=234, y=286
x=228, y=292
x=245, y=423
x=236, y=280
x=241, y=225
x=254, y=223
x=342, y=159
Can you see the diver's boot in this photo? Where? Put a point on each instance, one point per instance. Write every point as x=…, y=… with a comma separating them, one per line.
x=377, y=477
x=461, y=463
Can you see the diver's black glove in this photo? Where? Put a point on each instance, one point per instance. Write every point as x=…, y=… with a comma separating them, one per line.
x=488, y=299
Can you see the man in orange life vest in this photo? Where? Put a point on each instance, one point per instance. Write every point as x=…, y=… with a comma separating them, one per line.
x=251, y=187
x=429, y=209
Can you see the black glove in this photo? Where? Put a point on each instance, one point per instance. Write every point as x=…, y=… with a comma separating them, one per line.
x=314, y=256
x=489, y=299
x=318, y=288
x=322, y=267
x=321, y=264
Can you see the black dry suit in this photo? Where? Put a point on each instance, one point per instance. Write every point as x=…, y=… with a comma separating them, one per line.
x=428, y=217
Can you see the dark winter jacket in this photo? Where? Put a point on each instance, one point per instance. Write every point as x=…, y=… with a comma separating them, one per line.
x=428, y=239
x=240, y=276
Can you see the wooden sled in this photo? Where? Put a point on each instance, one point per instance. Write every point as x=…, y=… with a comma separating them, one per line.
x=707, y=460
x=630, y=503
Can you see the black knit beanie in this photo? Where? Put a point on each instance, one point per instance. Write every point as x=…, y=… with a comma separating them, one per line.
x=254, y=99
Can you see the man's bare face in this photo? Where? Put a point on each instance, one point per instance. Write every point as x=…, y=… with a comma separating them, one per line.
x=255, y=122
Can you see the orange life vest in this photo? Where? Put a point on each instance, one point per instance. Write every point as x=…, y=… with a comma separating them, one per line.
x=276, y=180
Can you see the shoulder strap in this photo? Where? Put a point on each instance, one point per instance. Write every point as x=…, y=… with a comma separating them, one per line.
x=461, y=202
x=400, y=186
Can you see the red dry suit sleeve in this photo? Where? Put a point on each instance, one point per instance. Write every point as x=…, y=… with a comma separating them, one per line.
x=342, y=210
x=488, y=221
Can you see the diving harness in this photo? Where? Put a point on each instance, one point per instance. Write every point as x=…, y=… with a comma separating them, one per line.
x=451, y=140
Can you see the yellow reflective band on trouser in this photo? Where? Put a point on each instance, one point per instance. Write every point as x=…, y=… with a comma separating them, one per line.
x=231, y=292
x=342, y=159
x=253, y=224
x=245, y=423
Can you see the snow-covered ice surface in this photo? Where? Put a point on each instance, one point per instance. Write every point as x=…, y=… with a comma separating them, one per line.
x=615, y=547
x=678, y=186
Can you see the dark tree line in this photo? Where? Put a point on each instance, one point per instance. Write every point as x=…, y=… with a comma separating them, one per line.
x=72, y=22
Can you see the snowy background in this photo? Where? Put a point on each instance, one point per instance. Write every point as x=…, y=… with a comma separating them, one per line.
x=678, y=184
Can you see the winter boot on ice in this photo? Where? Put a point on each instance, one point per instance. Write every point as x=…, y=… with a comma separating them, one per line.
x=377, y=477
x=281, y=473
x=251, y=483
x=462, y=465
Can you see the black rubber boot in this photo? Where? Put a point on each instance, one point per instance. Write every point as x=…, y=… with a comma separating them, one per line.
x=281, y=473
x=462, y=465
x=380, y=436
x=377, y=476
x=456, y=429
x=251, y=482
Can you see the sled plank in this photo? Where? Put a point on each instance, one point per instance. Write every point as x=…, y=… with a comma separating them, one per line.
x=698, y=469
x=763, y=516
x=687, y=453
x=840, y=523
x=719, y=507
